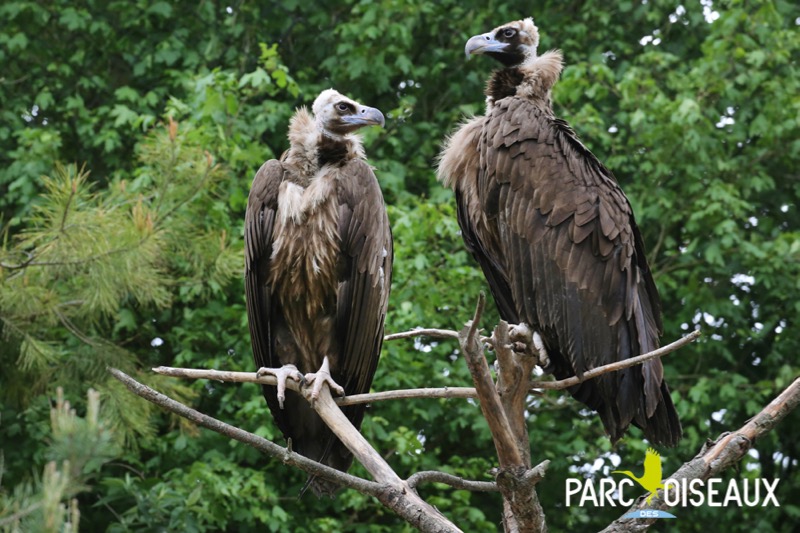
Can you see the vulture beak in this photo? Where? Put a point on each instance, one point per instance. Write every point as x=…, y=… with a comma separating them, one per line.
x=365, y=116
x=482, y=44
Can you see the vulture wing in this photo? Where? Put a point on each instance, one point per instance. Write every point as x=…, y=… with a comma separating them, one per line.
x=262, y=205
x=570, y=258
x=363, y=295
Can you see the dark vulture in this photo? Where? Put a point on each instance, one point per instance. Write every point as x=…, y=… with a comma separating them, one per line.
x=556, y=238
x=318, y=267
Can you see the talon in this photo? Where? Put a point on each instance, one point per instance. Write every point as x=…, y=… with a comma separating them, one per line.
x=320, y=378
x=528, y=342
x=281, y=374
x=538, y=343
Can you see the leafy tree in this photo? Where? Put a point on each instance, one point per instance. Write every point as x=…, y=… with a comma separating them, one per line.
x=150, y=118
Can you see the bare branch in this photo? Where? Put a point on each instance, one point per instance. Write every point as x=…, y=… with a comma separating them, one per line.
x=513, y=384
x=390, y=490
x=612, y=367
x=507, y=451
x=521, y=508
x=259, y=443
x=250, y=377
x=432, y=476
x=717, y=456
x=422, y=332
x=445, y=392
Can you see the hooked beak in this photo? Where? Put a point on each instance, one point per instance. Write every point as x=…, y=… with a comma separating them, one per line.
x=482, y=44
x=365, y=116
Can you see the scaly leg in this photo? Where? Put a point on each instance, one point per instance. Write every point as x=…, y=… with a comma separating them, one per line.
x=282, y=374
x=321, y=377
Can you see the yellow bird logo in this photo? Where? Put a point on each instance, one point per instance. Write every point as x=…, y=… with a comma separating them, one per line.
x=651, y=479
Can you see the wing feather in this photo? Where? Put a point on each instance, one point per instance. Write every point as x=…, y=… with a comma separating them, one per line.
x=363, y=293
x=564, y=252
x=262, y=205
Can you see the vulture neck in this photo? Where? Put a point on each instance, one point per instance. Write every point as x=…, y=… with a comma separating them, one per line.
x=532, y=80
x=312, y=148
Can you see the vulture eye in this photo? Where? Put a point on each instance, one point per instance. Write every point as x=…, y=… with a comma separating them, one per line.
x=342, y=106
x=509, y=33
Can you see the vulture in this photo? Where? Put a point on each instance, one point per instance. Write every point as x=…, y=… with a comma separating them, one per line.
x=556, y=238
x=318, y=267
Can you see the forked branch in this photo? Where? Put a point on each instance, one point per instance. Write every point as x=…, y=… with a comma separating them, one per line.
x=390, y=490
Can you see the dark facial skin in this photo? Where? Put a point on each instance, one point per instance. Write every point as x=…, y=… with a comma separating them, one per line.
x=349, y=118
x=511, y=55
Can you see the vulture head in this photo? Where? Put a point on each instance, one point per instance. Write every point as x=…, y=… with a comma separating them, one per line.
x=512, y=44
x=338, y=115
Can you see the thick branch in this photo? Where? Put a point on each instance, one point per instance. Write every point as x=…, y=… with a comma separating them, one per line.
x=717, y=456
x=513, y=382
x=522, y=511
x=613, y=367
x=507, y=451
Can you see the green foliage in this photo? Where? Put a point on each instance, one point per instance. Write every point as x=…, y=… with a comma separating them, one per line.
x=174, y=105
x=78, y=448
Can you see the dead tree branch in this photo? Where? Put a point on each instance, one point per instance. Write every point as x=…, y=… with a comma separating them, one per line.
x=422, y=332
x=521, y=508
x=433, y=476
x=263, y=445
x=619, y=365
x=390, y=490
x=507, y=451
x=716, y=456
x=250, y=377
x=502, y=404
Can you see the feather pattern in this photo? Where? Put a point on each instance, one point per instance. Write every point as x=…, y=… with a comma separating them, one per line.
x=556, y=238
x=318, y=267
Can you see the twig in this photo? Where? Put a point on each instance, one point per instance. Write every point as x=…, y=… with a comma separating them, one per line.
x=423, y=332
x=446, y=392
x=716, y=456
x=433, y=476
x=619, y=365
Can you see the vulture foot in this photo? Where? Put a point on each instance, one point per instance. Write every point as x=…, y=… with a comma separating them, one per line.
x=281, y=374
x=320, y=378
x=522, y=337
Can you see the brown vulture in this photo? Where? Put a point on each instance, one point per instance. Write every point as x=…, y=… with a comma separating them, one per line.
x=556, y=238
x=318, y=267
